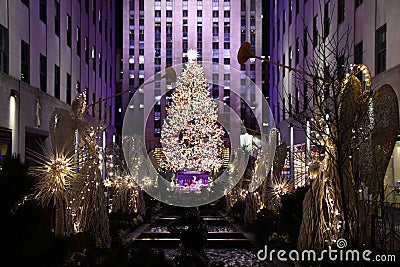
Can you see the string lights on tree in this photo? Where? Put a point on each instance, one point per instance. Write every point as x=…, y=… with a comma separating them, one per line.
x=190, y=136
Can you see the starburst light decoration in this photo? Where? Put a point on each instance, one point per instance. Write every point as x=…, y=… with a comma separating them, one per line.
x=190, y=136
x=192, y=54
x=56, y=174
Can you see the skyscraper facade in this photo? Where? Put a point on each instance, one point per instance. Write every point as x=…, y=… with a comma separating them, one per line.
x=159, y=33
x=49, y=51
x=296, y=28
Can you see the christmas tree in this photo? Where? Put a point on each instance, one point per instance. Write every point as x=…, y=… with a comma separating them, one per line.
x=191, y=137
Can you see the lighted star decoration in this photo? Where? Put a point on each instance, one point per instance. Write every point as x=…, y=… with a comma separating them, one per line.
x=279, y=188
x=192, y=54
x=55, y=171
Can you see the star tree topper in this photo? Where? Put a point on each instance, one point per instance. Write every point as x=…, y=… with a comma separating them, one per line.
x=192, y=54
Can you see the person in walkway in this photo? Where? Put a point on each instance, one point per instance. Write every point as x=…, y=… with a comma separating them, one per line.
x=192, y=230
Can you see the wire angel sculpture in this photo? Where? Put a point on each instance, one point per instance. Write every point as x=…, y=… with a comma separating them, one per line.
x=76, y=189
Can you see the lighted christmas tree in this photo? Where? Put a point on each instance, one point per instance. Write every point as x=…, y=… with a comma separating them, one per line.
x=191, y=137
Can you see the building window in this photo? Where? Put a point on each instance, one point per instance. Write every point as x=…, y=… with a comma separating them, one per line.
x=57, y=81
x=358, y=57
x=94, y=100
x=340, y=68
x=278, y=111
x=252, y=5
x=305, y=41
x=105, y=72
x=110, y=38
x=100, y=21
x=105, y=30
x=290, y=56
x=284, y=22
x=380, y=47
x=305, y=96
x=94, y=58
x=26, y=2
x=358, y=3
x=100, y=65
x=3, y=49
x=278, y=31
x=297, y=97
x=315, y=31
x=358, y=53
x=42, y=11
x=69, y=30
x=297, y=55
x=169, y=13
x=184, y=46
x=87, y=6
x=110, y=73
x=227, y=13
x=297, y=7
x=277, y=74
x=43, y=73
x=69, y=89
x=327, y=20
x=78, y=41
x=87, y=95
x=24, y=61
x=290, y=12
x=94, y=11
x=57, y=19
x=185, y=31
x=340, y=11
x=283, y=62
x=86, y=50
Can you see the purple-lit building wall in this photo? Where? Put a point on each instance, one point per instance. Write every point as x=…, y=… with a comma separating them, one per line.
x=49, y=50
x=374, y=41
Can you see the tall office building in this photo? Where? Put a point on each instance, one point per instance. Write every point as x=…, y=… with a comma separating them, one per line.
x=159, y=33
x=49, y=50
x=295, y=27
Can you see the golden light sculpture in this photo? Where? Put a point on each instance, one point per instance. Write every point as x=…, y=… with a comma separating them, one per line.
x=55, y=173
x=313, y=168
x=127, y=196
x=357, y=68
x=279, y=188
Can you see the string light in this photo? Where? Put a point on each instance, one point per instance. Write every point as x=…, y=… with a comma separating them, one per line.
x=190, y=136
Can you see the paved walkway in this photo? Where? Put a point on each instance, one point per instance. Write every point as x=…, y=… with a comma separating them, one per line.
x=226, y=241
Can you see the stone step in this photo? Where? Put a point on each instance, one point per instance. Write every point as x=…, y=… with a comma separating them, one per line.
x=211, y=235
x=162, y=221
x=174, y=243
